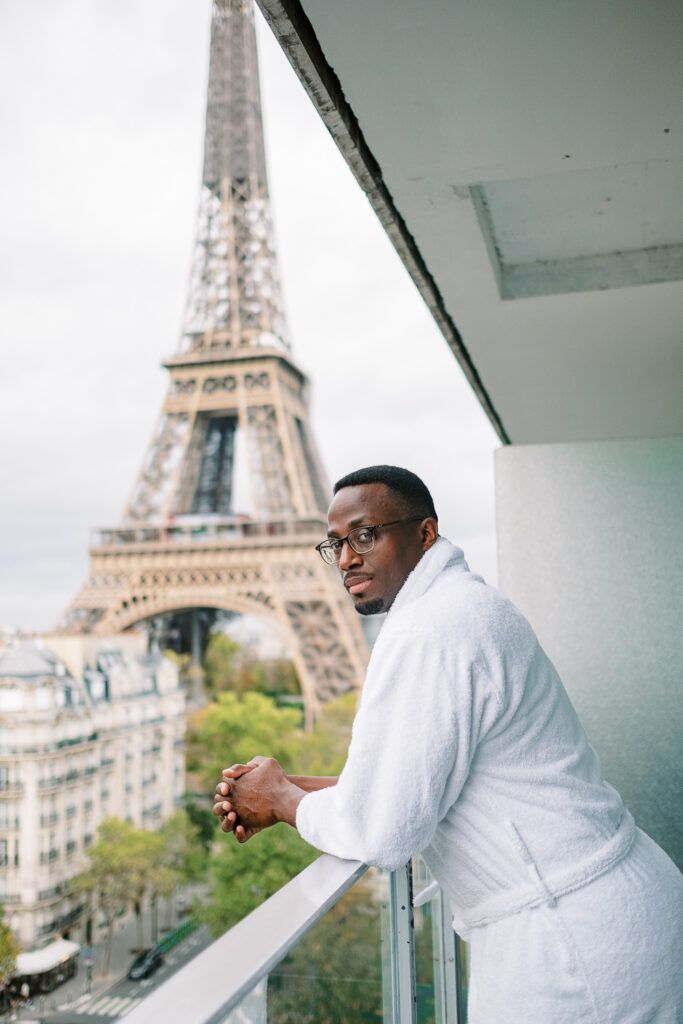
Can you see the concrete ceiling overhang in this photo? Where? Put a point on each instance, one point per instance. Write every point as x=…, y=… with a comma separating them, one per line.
x=526, y=160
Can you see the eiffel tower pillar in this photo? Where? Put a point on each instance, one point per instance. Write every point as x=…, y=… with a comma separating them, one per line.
x=235, y=416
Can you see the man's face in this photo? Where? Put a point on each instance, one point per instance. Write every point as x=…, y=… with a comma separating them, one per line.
x=374, y=579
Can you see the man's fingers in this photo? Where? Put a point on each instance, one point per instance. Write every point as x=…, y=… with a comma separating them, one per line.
x=235, y=770
x=228, y=821
x=243, y=835
x=222, y=807
x=222, y=789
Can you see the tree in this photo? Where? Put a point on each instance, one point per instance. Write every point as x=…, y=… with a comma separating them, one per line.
x=203, y=820
x=9, y=950
x=143, y=863
x=219, y=662
x=123, y=863
x=242, y=877
x=233, y=729
x=183, y=850
x=227, y=666
x=323, y=752
x=334, y=975
x=107, y=882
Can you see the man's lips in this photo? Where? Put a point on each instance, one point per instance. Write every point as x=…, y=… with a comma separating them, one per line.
x=357, y=584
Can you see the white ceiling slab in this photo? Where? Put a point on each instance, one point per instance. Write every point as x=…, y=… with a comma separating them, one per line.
x=527, y=159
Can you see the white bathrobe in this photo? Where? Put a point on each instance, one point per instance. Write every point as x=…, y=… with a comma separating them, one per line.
x=466, y=749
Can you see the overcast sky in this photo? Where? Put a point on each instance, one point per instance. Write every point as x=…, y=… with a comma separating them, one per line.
x=101, y=120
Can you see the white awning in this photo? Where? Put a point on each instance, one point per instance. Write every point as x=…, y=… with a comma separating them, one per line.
x=42, y=960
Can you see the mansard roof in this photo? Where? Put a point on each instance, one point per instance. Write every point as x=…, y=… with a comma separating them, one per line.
x=25, y=662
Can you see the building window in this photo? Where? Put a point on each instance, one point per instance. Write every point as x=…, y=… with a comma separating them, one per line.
x=3, y=853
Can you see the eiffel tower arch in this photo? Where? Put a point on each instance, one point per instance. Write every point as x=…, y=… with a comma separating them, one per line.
x=235, y=416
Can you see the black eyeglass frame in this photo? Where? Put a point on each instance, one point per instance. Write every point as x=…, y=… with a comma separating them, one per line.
x=330, y=543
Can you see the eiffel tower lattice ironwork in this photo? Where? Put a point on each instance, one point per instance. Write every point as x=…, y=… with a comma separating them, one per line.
x=235, y=394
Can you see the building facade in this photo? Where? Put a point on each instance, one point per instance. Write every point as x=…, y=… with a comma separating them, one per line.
x=89, y=729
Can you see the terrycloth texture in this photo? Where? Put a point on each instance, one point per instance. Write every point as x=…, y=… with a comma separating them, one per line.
x=609, y=953
x=466, y=748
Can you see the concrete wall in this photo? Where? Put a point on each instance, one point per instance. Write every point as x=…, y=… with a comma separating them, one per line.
x=590, y=548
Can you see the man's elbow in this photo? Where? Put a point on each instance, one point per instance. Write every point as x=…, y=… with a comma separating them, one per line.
x=388, y=852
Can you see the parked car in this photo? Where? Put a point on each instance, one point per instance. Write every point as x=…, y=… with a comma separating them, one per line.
x=145, y=964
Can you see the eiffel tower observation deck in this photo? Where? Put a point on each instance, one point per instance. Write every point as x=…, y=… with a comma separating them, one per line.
x=231, y=497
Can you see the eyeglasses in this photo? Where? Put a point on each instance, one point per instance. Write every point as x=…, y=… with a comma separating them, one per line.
x=361, y=540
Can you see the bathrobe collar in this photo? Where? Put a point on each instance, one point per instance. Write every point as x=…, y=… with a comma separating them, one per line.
x=442, y=555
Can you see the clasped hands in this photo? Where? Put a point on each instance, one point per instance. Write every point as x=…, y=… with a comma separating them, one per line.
x=253, y=796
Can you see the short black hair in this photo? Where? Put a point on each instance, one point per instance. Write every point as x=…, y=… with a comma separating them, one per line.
x=412, y=492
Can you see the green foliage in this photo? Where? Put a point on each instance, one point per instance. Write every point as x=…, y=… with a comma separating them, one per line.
x=323, y=752
x=203, y=821
x=183, y=853
x=219, y=662
x=242, y=877
x=234, y=729
x=227, y=666
x=111, y=880
x=9, y=950
x=334, y=975
x=126, y=864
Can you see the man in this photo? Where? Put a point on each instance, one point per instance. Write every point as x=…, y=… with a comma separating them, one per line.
x=466, y=749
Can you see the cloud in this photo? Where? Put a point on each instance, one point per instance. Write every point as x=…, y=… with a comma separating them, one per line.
x=102, y=142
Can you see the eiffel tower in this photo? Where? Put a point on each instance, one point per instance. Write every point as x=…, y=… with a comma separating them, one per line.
x=236, y=400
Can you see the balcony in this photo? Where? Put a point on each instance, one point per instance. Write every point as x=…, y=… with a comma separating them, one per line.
x=52, y=893
x=54, y=782
x=194, y=530
x=11, y=786
x=339, y=936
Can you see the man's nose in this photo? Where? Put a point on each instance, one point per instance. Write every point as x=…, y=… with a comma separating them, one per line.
x=349, y=557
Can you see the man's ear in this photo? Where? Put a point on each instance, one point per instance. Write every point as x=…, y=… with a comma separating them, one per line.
x=430, y=532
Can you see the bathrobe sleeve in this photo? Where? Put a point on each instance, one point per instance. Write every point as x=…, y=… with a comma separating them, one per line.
x=423, y=709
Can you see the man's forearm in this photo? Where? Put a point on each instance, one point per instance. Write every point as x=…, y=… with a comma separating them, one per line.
x=311, y=783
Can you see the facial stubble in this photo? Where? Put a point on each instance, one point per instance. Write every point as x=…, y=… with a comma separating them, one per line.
x=371, y=607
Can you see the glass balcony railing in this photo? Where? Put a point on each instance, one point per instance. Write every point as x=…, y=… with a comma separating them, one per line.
x=341, y=942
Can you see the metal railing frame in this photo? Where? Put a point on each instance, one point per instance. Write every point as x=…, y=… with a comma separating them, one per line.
x=215, y=982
